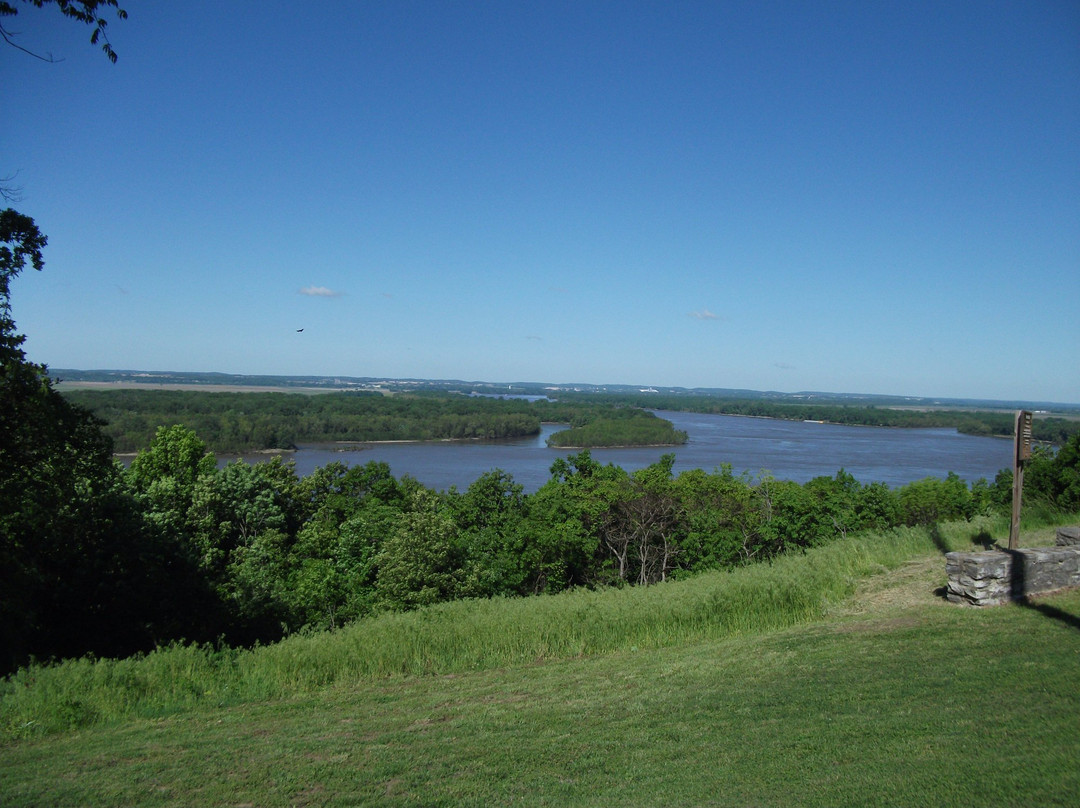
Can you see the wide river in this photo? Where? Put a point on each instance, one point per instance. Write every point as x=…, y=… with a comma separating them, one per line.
x=789, y=450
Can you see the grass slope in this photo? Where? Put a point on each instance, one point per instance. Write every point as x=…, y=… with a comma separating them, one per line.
x=887, y=697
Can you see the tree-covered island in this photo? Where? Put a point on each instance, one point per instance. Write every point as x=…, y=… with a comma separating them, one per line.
x=985, y=421
x=233, y=422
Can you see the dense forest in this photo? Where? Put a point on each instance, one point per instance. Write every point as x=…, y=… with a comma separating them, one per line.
x=625, y=427
x=238, y=422
x=173, y=547
x=1046, y=429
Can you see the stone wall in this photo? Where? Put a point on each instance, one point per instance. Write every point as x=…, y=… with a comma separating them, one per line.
x=998, y=576
x=1068, y=536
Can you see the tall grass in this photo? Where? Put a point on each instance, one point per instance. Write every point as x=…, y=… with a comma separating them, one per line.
x=466, y=635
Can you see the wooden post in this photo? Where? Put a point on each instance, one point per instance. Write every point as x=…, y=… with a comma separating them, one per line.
x=1021, y=453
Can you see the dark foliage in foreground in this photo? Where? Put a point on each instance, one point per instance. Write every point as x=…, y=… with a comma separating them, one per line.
x=245, y=553
x=77, y=570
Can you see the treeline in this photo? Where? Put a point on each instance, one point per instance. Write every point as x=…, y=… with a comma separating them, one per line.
x=625, y=427
x=174, y=548
x=240, y=422
x=1049, y=429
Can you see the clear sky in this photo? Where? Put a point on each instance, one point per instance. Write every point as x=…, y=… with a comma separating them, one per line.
x=864, y=197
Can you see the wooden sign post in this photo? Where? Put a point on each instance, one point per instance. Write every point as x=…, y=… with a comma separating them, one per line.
x=1021, y=454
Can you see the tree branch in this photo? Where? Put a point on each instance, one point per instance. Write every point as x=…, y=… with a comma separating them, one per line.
x=12, y=194
x=84, y=11
x=7, y=35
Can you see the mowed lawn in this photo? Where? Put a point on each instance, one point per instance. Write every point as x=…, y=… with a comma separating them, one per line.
x=895, y=698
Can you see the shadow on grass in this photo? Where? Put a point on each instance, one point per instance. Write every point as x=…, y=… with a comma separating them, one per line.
x=1051, y=611
x=1018, y=592
x=938, y=539
x=1017, y=581
x=1019, y=595
x=981, y=538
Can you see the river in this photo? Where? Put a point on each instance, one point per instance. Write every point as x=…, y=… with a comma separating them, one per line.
x=789, y=450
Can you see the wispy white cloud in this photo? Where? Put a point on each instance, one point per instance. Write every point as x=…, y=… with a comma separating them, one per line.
x=704, y=314
x=319, y=291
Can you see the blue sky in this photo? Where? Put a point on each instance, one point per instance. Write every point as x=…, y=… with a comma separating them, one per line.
x=838, y=196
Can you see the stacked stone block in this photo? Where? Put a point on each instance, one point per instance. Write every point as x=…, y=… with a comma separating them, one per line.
x=998, y=576
x=1068, y=536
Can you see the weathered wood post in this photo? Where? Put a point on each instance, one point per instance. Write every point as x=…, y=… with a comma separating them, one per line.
x=1021, y=453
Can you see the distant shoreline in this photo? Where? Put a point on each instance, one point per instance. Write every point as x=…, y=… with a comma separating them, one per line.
x=209, y=388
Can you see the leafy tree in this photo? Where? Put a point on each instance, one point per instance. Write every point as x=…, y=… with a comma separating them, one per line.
x=77, y=571
x=163, y=477
x=931, y=500
x=637, y=521
x=830, y=509
x=87, y=12
x=789, y=520
x=230, y=508
x=351, y=512
x=356, y=557
x=496, y=549
x=242, y=522
x=561, y=551
x=876, y=507
x=651, y=517
x=1054, y=477
x=564, y=521
x=724, y=518
x=253, y=588
x=419, y=564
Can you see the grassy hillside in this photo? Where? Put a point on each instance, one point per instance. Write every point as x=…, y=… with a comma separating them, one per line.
x=816, y=680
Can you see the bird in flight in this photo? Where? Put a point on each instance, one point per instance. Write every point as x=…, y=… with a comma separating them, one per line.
x=299, y=330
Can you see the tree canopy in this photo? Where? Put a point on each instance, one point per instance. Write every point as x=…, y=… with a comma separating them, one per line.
x=75, y=562
x=88, y=12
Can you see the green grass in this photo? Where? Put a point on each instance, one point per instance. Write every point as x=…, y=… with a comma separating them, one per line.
x=455, y=638
x=856, y=688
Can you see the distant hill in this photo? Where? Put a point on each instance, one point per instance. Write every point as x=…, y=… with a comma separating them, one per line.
x=338, y=383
